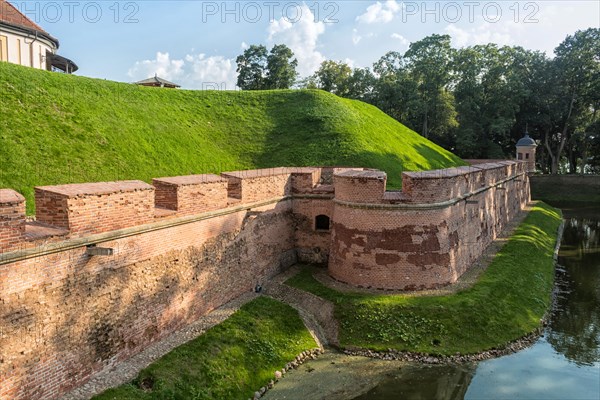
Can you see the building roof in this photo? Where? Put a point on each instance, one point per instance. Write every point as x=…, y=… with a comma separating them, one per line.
x=157, y=81
x=62, y=63
x=526, y=141
x=12, y=17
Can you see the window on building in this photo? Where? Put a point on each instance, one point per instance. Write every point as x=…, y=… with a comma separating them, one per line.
x=3, y=48
x=31, y=55
x=527, y=156
x=322, y=223
x=520, y=156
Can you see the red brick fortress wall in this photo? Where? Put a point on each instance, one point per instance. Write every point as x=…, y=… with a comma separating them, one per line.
x=427, y=235
x=108, y=268
x=176, y=250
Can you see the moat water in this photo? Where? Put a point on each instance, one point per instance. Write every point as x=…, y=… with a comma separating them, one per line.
x=563, y=364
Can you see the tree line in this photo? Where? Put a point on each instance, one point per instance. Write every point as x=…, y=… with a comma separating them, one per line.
x=476, y=101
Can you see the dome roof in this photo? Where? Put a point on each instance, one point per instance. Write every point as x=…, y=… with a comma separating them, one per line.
x=526, y=141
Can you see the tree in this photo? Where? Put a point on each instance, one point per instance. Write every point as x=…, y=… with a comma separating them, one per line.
x=333, y=77
x=395, y=91
x=573, y=77
x=252, y=68
x=429, y=61
x=281, y=68
x=468, y=93
x=259, y=69
x=492, y=88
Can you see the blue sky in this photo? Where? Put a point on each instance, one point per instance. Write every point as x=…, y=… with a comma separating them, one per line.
x=195, y=43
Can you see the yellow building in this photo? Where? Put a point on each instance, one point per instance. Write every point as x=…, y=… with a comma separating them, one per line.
x=24, y=42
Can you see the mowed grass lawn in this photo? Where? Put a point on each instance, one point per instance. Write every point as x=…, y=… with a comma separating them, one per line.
x=57, y=128
x=230, y=361
x=507, y=302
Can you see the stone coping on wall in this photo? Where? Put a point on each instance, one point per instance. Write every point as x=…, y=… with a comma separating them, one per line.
x=458, y=171
x=363, y=174
x=114, y=206
x=266, y=172
x=190, y=180
x=9, y=196
x=96, y=188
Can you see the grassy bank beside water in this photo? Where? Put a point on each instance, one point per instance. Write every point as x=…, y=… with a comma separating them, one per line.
x=230, y=361
x=507, y=302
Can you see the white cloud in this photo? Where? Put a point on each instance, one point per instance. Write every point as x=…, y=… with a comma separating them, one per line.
x=400, y=38
x=460, y=37
x=214, y=71
x=380, y=12
x=501, y=33
x=162, y=65
x=351, y=63
x=355, y=36
x=540, y=28
x=195, y=71
x=302, y=37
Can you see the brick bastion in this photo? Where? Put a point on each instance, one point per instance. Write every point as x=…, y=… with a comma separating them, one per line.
x=108, y=268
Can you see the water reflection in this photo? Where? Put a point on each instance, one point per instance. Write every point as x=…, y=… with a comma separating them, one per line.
x=575, y=324
x=425, y=383
x=535, y=373
x=564, y=364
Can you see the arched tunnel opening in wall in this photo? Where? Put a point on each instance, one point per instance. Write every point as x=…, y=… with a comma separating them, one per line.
x=322, y=223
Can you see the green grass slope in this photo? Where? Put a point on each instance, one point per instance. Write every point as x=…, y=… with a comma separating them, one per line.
x=229, y=361
x=57, y=128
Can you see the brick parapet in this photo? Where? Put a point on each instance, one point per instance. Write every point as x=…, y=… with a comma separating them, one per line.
x=90, y=208
x=444, y=185
x=256, y=185
x=194, y=194
x=427, y=235
x=360, y=186
x=12, y=219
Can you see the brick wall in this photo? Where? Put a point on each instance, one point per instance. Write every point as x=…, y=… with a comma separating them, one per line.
x=186, y=245
x=90, y=208
x=360, y=186
x=12, y=219
x=261, y=184
x=190, y=195
x=312, y=245
x=68, y=315
x=427, y=235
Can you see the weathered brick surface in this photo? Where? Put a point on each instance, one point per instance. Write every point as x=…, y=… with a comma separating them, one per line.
x=411, y=248
x=192, y=194
x=360, y=186
x=12, y=219
x=258, y=185
x=66, y=315
x=447, y=184
x=263, y=184
x=95, y=207
x=312, y=245
x=304, y=180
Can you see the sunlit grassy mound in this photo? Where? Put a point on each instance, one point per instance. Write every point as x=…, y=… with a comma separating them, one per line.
x=57, y=128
